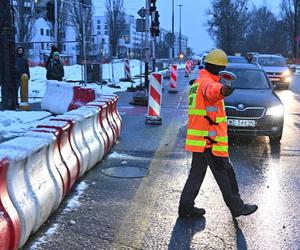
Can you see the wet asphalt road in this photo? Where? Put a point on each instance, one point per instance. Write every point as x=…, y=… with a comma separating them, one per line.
x=104, y=212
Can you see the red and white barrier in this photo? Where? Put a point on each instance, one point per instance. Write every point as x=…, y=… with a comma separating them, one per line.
x=69, y=158
x=187, y=69
x=56, y=90
x=104, y=123
x=96, y=146
x=31, y=184
x=154, y=100
x=127, y=72
x=173, y=79
x=80, y=146
x=70, y=97
x=10, y=224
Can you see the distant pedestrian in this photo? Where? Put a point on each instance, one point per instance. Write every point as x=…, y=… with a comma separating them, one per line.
x=53, y=49
x=55, y=69
x=207, y=139
x=22, y=67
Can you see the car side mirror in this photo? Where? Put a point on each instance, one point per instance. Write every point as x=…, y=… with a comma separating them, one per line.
x=192, y=81
x=292, y=69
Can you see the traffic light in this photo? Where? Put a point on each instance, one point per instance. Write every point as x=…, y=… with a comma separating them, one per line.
x=155, y=24
x=152, y=6
x=50, y=11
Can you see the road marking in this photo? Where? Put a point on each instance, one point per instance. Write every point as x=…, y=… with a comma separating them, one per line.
x=138, y=217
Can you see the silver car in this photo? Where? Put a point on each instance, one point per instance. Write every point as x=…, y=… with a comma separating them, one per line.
x=276, y=68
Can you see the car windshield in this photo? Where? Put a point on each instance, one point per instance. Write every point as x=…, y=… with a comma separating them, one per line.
x=272, y=61
x=249, y=79
x=234, y=59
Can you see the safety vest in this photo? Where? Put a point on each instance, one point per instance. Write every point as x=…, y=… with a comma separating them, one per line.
x=207, y=123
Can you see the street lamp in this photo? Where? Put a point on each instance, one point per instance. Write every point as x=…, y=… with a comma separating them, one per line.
x=173, y=28
x=180, y=49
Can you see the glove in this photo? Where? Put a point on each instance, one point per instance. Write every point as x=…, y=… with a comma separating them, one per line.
x=226, y=90
x=192, y=81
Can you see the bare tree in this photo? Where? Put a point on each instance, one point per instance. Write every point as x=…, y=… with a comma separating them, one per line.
x=290, y=12
x=25, y=18
x=227, y=23
x=115, y=19
x=81, y=17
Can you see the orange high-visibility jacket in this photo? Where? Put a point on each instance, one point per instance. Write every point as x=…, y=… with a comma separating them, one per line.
x=207, y=122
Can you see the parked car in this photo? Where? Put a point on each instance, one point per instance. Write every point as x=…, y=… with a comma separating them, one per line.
x=237, y=59
x=276, y=67
x=253, y=108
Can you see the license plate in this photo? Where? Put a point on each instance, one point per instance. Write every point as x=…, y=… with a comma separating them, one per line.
x=241, y=123
x=275, y=79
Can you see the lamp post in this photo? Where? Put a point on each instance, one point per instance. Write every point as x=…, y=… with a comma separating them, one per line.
x=180, y=49
x=173, y=54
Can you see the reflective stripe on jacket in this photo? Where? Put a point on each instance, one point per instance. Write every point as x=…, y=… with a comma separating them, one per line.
x=207, y=122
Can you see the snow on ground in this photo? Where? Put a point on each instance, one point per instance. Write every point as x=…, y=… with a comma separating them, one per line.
x=16, y=123
x=112, y=73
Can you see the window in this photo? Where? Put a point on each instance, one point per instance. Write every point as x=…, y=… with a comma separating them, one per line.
x=42, y=32
x=106, y=27
x=64, y=47
x=98, y=22
x=43, y=46
x=106, y=32
x=98, y=33
x=98, y=27
x=48, y=32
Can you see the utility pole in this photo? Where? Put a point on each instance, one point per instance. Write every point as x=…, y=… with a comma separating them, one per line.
x=180, y=49
x=7, y=57
x=83, y=16
x=173, y=50
x=56, y=22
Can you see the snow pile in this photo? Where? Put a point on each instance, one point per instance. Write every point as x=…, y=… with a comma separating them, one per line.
x=16, y=123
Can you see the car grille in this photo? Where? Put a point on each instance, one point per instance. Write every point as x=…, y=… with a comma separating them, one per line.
x=274, y=73
x=250, y=112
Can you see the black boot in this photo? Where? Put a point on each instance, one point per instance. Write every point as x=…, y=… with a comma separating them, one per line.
x=247, y=210
x=191, y=212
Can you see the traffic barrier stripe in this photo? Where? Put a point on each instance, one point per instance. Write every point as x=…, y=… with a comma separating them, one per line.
x=10, y=225
x=78, y=140
x=173, y=82
x=115, y=112
x=97, y=129
x=110, y=117
x=50, y=155
x=95, y=145
x=155, y=93
x=104, y=124
x=127, y=73
x=30, y=183
x=68, y=155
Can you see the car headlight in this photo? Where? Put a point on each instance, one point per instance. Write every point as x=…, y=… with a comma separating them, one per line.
x=276, y=111
x=286, y=73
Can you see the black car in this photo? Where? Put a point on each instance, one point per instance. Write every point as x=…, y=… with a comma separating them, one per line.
x=237, y=59
x=253, y=108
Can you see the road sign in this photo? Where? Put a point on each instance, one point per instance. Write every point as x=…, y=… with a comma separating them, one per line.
x=140, y=25
x=142, y=12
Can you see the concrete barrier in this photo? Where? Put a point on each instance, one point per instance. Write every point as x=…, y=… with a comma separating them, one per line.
x=69, y=158
x=56, y=90
x=80, y=144
x=115, y=113
x=93, y=141
x=10, y=225
x=104, y=122
x=31, y=185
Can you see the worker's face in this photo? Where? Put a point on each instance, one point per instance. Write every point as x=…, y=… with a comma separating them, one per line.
x=20, y=51
x=56, y=57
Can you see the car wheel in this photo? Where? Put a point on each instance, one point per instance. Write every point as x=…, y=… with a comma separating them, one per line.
x=275, y=139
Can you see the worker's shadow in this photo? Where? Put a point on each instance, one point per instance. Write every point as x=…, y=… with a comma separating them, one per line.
x=241, y=243
x=183, y=232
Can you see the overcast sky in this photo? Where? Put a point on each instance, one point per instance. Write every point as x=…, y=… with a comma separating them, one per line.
x=193, y=23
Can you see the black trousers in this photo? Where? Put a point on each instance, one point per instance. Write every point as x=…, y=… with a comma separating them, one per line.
x=223, y=172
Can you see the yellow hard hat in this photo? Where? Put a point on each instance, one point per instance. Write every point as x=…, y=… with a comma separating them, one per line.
x=217, y=57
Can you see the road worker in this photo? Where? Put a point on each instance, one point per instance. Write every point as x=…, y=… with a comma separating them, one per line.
x=208, y=141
